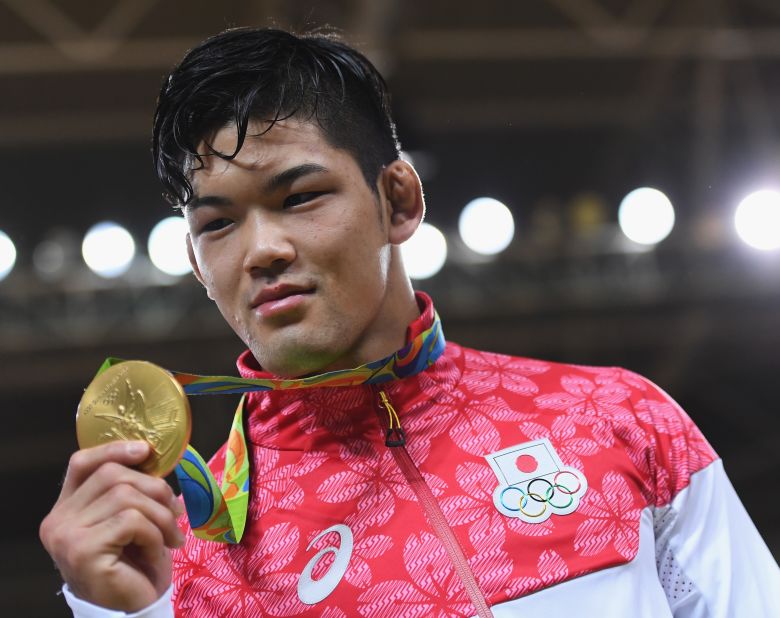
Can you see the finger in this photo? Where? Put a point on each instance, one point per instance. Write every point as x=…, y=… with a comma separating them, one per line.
x=133, y=540
x=110, y=475
x=120, y=557
x=131, y=527
x=84, y=462
x=124, y=497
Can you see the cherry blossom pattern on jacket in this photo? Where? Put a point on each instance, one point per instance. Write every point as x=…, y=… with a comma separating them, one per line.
x=319, y=459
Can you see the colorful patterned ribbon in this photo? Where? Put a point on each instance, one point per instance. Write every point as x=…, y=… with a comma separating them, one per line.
x=218, y=513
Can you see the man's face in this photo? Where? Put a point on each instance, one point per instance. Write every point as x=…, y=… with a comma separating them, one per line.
x=291, y=244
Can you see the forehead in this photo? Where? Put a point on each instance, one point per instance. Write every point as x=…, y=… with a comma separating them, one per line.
x=287, y=142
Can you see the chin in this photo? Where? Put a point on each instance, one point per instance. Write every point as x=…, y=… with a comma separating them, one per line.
x=294, y=363
x=300, y=349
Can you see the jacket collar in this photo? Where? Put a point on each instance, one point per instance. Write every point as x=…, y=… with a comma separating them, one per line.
x=320, y=418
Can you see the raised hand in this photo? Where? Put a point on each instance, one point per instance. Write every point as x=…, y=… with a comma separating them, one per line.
x=111, y=527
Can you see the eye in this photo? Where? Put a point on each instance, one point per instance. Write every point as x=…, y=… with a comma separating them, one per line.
x=215, y=225
x=301, y=198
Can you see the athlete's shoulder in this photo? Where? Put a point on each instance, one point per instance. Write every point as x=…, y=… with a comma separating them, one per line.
x=551, y=375
x=612, y=404
x=616, y=393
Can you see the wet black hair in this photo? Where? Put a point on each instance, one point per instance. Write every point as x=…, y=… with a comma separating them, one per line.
x=246, y=74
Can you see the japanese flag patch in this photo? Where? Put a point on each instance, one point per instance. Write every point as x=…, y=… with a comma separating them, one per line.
x=533, y=483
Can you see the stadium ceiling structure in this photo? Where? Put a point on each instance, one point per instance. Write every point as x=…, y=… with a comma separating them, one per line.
x=558, y=108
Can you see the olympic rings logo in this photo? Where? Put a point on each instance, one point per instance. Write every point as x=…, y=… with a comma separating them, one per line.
x=534, y=504
x=533, y=482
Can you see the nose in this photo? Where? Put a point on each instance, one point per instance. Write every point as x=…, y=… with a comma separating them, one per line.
x=268, y=249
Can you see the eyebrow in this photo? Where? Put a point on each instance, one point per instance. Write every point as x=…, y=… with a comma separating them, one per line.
x=283, y=179
x=207, y=200
x=288, y=176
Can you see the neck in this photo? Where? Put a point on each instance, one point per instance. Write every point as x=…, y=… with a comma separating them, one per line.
x=387, y=333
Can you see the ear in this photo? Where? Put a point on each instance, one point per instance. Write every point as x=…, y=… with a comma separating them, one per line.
x=194, y=264
x=403, y=192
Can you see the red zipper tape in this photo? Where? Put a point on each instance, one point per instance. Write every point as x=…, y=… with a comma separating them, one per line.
x=439, y=524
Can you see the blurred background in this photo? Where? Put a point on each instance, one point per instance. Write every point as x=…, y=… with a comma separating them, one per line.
x=602, y=183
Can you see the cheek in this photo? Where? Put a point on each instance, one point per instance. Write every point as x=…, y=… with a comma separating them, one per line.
x=363, y=262
x=216, y=272
x=367, y=271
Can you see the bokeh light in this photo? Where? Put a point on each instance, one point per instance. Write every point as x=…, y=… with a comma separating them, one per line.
x=108, y=249
x=167, y=247
x=486, y=226
x=49, y=259
x=646, y=216
x=757, y=220
x=588, y=212
x=7, y=255
x=425, y=252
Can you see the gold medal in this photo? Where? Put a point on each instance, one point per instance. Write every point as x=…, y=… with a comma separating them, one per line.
x=137, y=400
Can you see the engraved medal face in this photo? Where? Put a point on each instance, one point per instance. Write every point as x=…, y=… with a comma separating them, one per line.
x=137, y=400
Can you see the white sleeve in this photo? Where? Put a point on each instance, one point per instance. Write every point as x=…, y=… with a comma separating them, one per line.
x=161, y=608
x=711, y=560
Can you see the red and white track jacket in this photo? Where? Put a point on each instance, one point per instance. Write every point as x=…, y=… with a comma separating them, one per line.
x=340, y=524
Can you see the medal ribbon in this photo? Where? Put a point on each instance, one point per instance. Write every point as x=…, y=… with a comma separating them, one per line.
x=218, y=513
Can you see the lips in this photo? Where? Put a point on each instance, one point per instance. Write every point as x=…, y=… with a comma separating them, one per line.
x=278, y=299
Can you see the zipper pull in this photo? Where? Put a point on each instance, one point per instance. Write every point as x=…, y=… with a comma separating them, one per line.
x=395, y=435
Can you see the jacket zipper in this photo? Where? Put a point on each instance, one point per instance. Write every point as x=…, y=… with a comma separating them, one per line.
x=395, y=438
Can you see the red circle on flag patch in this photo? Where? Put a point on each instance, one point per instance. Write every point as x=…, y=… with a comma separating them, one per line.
x=526, y=463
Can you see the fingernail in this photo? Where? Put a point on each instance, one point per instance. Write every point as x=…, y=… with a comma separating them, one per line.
x=137, y=448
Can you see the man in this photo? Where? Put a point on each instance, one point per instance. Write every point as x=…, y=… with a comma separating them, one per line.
x=403, y=476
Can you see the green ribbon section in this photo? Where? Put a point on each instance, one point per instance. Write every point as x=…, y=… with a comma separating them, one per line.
x=218, y=513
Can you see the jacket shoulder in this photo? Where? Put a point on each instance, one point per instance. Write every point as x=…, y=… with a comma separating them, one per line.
x=608, y=404
x=554, y=376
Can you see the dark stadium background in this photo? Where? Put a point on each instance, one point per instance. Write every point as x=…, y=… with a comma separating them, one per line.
x=558, y=108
